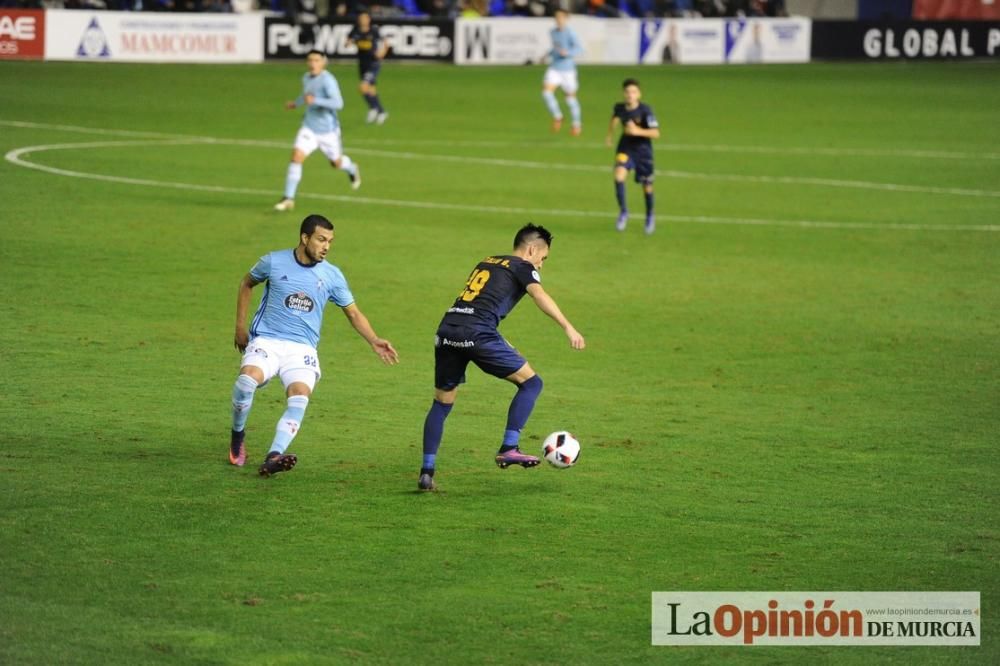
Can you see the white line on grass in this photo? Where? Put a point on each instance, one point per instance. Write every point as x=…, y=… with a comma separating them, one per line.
x=561, y=145
x=16, y=157
x=557, y=166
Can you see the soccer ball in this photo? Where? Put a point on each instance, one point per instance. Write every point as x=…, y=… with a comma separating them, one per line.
x=561, y=449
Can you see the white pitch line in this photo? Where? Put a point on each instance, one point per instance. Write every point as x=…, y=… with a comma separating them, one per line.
x=561, y=145
x=16, y=157
x=551, y=166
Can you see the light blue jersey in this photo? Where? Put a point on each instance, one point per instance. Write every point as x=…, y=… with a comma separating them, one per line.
x=321, y=115
x=294, y=297
x=564, y=40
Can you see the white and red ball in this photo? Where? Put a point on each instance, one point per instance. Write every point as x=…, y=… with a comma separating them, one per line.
x=561, y=449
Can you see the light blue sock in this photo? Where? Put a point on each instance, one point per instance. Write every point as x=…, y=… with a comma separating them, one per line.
x=292, y=179
x=552, y=104
x=347, y=164
x=574, y=110
x=243, y=392
x=289, y=423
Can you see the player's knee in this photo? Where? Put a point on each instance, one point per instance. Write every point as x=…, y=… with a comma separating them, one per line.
x=532, y=386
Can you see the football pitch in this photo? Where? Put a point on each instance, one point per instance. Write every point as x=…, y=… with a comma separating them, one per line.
x=792, y=385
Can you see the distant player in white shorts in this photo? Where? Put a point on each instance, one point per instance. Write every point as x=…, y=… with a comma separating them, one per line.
x=562, y=74
x=320, y=127
x=282, y=338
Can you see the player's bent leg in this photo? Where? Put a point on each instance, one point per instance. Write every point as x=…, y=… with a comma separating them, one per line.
x=243, y=391
x=444, y=400
x=353, y=170
x=288, y=426
x=292, y=177
x=529, y=387
x=552, y=104
x=575, y=114
x=650, y=226
x=622, y=221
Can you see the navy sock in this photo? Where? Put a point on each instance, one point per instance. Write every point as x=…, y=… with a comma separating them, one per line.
x=370, y=100
x=520, y=410
x=236, y=440
x=649, y=203
x=620, y=195
x=433, y=431
x=377, y=104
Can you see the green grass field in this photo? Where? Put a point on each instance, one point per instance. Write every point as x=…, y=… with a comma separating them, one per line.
x=792, y=385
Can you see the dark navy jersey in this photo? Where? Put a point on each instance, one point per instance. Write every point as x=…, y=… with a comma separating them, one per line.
x=368, y=44
x=642, y=116
x=494, y=287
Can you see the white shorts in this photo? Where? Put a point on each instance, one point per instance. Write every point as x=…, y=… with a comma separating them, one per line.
x=292, y=361
x=562, y=79
x=307, y=141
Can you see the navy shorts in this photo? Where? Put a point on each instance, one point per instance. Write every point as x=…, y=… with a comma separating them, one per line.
x=370, y=74
x=456, y=346
x=641, y=164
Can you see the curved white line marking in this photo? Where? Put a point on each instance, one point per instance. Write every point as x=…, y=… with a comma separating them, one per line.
x=16, y=156
x=555, y=166
x=561, y=145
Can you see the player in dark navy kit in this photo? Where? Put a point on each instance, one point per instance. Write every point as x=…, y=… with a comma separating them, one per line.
x=371, y=50
x=468, y=332
x=635, y=150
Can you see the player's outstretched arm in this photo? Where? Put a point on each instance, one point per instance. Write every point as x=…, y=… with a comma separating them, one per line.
x=383, y=348
x=242, y=337
x=549, y=307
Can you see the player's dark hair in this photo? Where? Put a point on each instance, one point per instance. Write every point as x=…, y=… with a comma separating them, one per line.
x=312, y=221
x=532, y=232
x=317, y=52
x=630, y=82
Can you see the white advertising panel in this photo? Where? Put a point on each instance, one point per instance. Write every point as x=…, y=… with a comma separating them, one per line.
x=681, y=41
x=518, y=41
x=145, y=37
x=768, y=40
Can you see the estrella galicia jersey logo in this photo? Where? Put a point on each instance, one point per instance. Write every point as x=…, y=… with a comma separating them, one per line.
x=299, y=302
x=93, y=43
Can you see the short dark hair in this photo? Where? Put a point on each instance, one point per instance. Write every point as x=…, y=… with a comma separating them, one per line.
x=312, y=221
x=630, y=82
x=532, y=232
x=317, y=52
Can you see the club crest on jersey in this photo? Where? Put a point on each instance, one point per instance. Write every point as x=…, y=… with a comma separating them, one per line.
x=299, y=302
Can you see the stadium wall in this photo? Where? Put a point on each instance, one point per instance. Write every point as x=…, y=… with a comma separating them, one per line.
x=249, y=38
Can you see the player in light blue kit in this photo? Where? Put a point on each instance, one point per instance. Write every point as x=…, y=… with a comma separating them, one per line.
x=562, y=74
x=320, y=127
x=284, y=333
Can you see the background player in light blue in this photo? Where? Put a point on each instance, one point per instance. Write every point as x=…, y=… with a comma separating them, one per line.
x=562, y=74
x=320, y=127
x=284, y=333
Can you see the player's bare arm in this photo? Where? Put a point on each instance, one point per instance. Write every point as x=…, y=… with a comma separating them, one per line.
x=382, y=347
x=549, y=307
x=242, y=337
x=612, y=126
